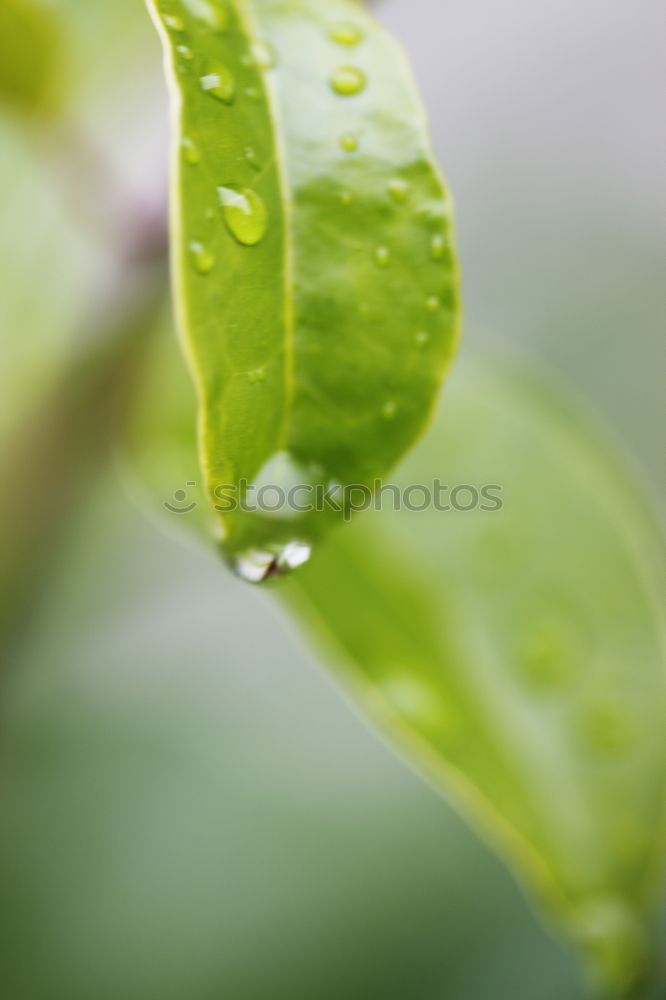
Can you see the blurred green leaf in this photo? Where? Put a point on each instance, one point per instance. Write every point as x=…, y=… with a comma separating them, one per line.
x=516, y=655
x=30, y=56
x=312, y=240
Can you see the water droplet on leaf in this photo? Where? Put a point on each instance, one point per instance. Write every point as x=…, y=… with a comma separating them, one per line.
x=174, y=22
x=263, y=54
x=216, y=15
x=255, y=565
x=244, y=213
x=253, y=93
x=219, y=82
x=185, y=52
x=346, y=197
x=346, y=33
x=398, y=190
x=293, y=555
x=389, y=410
x=202, y=259
x=191, y=153
x=421, y=338
x=349, y=142
x=438, y=246
x=251, y=157
x=258, y=375
x=382, y=257
x=433, y=304
x=348, y=81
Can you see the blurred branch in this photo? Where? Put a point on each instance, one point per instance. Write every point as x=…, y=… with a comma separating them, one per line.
x=57, y=452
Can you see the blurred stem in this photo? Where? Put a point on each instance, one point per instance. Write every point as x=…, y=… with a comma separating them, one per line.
x=62, y=445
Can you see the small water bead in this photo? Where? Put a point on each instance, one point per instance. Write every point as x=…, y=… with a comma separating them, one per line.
x=263, y=54
x=191, y=153
x=201, y=257
x=346, y=197
x=219, y=82
x=185, y=52
x=255, y=565
x=258, y=375
x=349, y=142
x=251, y=157
x=253, y=93
x=346, y=33
x=389, y=410
x=382, y=257
x=433, y=304
x=294, y=555
x=174, y=22
x=244, y=214
x=438, y=246
x=398, y=190
x=216, y=15
x=347, y=81
x=421, y=338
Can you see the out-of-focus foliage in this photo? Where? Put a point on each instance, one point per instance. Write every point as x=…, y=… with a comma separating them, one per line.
x=315, y=272
x=31, y=58
x=522, y=669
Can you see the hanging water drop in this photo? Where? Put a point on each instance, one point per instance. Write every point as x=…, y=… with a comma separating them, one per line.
x=398, y=190
x=191, y=152
x=294, y=555
x=382, y=257
x=348, y=81
x=255, y=565
x=201, y=257
x=349, y=142
x=346, y=33
x=219, y=82
x=244, y=213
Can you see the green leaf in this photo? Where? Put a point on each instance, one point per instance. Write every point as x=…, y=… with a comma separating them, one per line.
x=316, y=279
x=516, y=655
x=30, y=56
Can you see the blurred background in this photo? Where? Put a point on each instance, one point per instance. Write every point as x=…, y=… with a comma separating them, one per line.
x=188, y=808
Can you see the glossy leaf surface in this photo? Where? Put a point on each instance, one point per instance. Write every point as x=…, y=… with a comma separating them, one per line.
x=516, y=655
x=315, y=273
x=30, y=56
